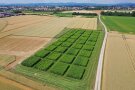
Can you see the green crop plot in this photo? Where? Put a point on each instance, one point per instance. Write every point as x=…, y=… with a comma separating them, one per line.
x=42, y=53
x=44, y=64
x=59, y=68
x=54, y=56
x=81, y=61
x=120, y=23
x=72, y=57
x=30, y=61
x=61, y=49
x=76, y=72
x=67, y=58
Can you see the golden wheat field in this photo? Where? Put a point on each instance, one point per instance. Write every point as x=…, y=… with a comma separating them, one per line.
x=84, y=23
x=119, y=63
x=44, y=26
x=3, y=24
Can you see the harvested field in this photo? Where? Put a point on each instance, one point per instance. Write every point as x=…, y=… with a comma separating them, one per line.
x=20, y=22
x=6, y=59
x=119, y=63
x=19, y=45
x=44, y=26
x=23, y=81
x=3, y=24
x=49, y=29
x=6, y=84
x=84, y=23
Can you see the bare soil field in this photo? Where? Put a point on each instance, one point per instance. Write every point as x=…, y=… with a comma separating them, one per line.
x=119, y=63
x=84, y=23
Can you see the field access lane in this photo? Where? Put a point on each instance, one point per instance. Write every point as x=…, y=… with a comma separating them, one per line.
x=118, y=71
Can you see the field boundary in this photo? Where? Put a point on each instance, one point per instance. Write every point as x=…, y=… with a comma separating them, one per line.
x=101, y=57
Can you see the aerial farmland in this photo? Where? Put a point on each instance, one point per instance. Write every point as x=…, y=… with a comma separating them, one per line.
x=50, y=49
x=67, y=46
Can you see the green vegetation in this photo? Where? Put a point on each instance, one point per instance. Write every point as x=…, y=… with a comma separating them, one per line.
x=59, y=68
x=42, y=53
x=60, y=14
x=54, y=56
x=81, y=61
x=44, y=64
x=121, y=24
x=76, y=72
x=31, y=61
x=68, y=67
x=67, y=58
x=110, y=13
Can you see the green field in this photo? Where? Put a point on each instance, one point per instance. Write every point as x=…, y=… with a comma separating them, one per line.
x=60, y=14
x=69, y=63
x=120, y=23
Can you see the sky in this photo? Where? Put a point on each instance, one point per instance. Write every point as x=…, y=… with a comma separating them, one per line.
x=78, y=1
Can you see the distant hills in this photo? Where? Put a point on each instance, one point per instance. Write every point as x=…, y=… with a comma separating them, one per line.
x=70, y=4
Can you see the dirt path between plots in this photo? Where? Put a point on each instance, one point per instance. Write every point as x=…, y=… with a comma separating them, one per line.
x=119, y=63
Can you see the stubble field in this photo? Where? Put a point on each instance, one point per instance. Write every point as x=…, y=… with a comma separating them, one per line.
x=119, y=63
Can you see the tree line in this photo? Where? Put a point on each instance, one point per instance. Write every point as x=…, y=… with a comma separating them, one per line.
x=110, y=13
x=85, y=14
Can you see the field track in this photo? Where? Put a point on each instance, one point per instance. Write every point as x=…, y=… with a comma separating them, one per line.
x=119, y=63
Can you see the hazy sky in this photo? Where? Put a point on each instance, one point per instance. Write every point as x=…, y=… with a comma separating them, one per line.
x=56, y=1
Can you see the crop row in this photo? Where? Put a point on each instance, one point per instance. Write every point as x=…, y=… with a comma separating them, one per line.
x=69, y=55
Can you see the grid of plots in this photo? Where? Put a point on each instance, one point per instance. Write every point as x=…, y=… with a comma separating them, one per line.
x=68, y=56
